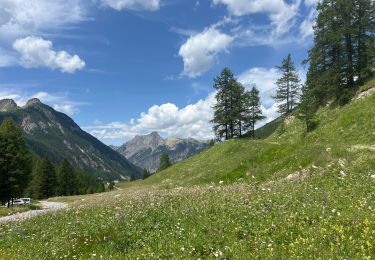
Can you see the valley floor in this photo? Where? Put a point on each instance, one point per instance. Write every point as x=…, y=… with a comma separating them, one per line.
x=330, y=216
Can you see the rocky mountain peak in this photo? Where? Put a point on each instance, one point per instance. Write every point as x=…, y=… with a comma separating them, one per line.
x=152, y=140
x=7, y=104
x=54, y=134
x=172, y=141
x=145, y=150
x=33, y=102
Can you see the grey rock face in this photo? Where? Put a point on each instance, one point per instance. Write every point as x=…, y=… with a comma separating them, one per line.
x=7, y=105
x=145, y=151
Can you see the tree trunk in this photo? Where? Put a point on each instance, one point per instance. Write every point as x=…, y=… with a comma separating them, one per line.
x=349, y=51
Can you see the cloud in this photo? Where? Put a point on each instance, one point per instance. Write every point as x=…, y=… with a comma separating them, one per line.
x=36, y=52
x=20, y=17
x=280, y=13
x=146, y=5
x=264, y=79
x=190, y=121
x=311, y=2
x=7, y=58
x=307, y=26
x=59, y=102
x=200, y=50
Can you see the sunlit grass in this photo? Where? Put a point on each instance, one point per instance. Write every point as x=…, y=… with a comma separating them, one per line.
x=293, y=195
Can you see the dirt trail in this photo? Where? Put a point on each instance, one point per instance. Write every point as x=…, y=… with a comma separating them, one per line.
x=46, y=208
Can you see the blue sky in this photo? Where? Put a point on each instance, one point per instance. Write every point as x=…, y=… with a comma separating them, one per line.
x=125, y=67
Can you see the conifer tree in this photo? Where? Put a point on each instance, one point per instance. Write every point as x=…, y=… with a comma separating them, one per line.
x=343, y=54
x=222, y=109
x=44, y=183
x=66, y=179
x=14, y=161
x=227, y=111
x=253, y=109
x=288, y=86
x=164, y=162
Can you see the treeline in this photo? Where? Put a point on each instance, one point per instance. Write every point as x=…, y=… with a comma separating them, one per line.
x=343, y=54
x=62, y=180
x=23, y=175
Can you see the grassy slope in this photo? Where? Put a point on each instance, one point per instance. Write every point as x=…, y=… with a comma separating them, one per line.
x=287, y=151
x=289, y=196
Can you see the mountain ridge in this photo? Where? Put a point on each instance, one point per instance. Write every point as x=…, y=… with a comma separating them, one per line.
x=51, y=133
x=145, y=150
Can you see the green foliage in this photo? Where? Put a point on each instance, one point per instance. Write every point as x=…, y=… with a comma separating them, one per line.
x=146, y=174
x=44, y=183
x=64, y=139
x=66, y=179
x=164, y=162
x=288, y=86
x=14, y=161
x=252, y=110
x=344, y=50
x=236, y=110
x=111, y=186
x=48, y=182
x=285, y=197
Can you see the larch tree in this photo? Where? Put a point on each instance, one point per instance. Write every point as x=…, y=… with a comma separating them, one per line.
x=227, y=110
x=288, y=86
x=253, y=109
x=343, y=55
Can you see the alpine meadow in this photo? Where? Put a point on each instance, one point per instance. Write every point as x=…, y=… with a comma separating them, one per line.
x=157, y=129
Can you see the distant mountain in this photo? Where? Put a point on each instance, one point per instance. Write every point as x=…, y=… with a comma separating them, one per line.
x=145, y=150
x=54, y=134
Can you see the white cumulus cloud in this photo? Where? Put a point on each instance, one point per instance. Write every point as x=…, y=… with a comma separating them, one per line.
x=36, y=52
x=190, y=121
x=265, y=80
x=200, y=50
x=147, y=5
x=25, y=17
x=280, y=12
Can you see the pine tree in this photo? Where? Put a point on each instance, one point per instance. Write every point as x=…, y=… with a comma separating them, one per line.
x=43, y=184
x=343, y=54
x=221, y=118
x=288, y=86
x=14, y=161
x=164, y=162
x=238, y=111
x=364, y=38
x=253, y=109
x=227, y=111
x=66, y=179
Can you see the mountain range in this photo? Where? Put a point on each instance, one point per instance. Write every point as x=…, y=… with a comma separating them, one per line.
x=145, y=150
x=50, y=133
